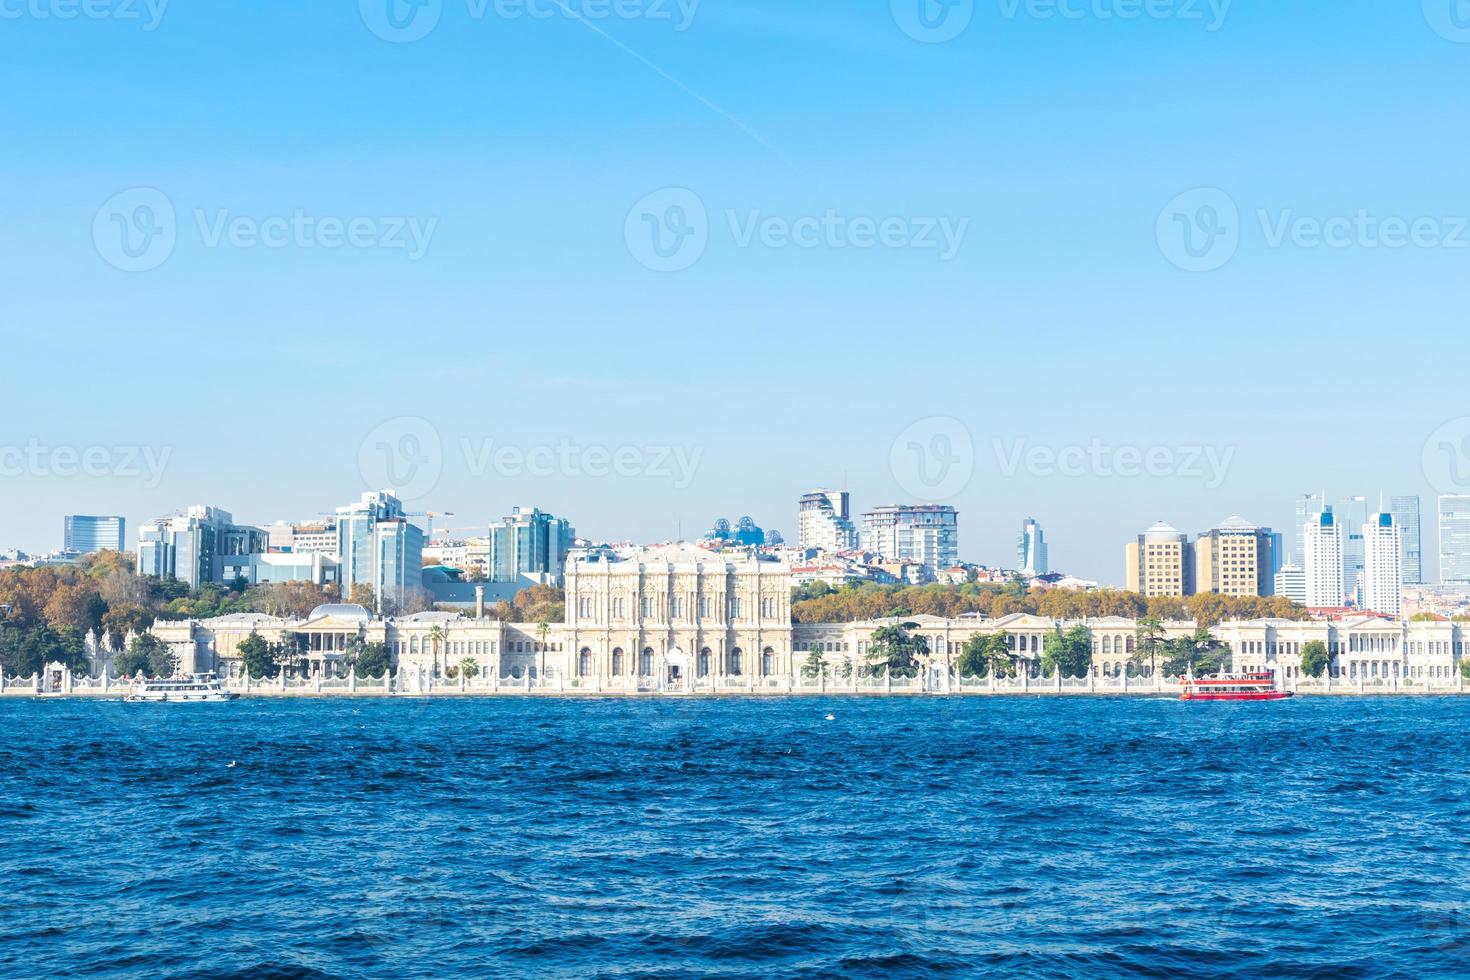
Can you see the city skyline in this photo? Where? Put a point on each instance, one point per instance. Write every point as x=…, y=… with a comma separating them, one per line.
x=532, y=286
x=1285, y=546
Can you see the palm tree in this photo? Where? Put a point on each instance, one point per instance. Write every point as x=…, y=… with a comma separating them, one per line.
x=436, y=636
x=542, y=629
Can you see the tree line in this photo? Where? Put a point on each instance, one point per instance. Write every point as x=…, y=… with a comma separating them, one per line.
x=818, y=602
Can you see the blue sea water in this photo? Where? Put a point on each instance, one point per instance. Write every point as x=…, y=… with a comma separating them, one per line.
x=1011, y=837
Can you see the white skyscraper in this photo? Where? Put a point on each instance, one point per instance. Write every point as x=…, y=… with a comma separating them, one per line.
x=1454, y=539
x=1383, y=565
x=1031, y=549
x=1291, y=581
x=1322, y=541
x=1308, y=506
x=824, y=521
x=923, y=534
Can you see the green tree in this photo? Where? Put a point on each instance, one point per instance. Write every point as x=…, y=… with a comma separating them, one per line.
x=897, y=650
x=1315, y=658
x=436, y=637
x=982, y=653
x=147, y=655
x=26, y=652
x=1148, y=638
x=470, y=667
x=258, y=657
x=1465, y=668
x=1069, y=653
x=373, y=662
x=1199, y=653
x=814, y=666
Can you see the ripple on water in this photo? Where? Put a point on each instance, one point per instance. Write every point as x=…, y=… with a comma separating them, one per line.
x=1087, y=837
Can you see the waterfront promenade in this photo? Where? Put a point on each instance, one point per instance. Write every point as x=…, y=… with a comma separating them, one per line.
x=407, y=683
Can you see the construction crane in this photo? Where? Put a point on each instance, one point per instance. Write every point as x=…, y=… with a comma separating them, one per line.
x=430, y=514
x=467, y=527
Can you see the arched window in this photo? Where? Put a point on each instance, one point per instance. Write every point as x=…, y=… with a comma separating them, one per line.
x=1129, y=644
x=768, y=662
x=1107, y=645
x=413, y=644
x=736, y=666
x=584, y=663
x=617, y=662
x=645, y=662
x=702, y=664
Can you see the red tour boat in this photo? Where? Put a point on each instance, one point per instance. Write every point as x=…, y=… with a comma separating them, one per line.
x=1232, y=687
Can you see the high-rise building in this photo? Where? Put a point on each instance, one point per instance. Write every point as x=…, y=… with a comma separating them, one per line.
x=1031, y=549
x=1353, y=516
x=1406, y=515
x=1383, y=566
x=1454, y=539
x=379, y=547
x=1308, y=506
x=1322, y=541
x=1291, y=582
x=1161, y=562
x=922, y=534
x=85, y=533
x=1235, y=559
x=193, y=545
x=825, y=522
x=529, y=543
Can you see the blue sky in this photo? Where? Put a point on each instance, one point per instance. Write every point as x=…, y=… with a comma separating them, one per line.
x=532, y=153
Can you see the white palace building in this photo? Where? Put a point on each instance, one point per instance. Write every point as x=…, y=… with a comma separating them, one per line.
x=660, y=619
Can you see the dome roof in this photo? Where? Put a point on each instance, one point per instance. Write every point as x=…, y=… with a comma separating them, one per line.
x=341, y=610
x=1163, y=532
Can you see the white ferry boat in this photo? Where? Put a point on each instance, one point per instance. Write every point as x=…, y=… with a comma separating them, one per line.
x=198, y=688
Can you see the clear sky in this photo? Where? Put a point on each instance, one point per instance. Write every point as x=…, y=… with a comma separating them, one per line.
x=790, y=244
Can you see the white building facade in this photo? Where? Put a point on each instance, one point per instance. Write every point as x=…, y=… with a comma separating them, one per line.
x=923, y=534
x=824, y=521
x=1383, y=566
x=1322, y=544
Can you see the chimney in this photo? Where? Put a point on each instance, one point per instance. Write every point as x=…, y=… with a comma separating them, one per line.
x=479, y=602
